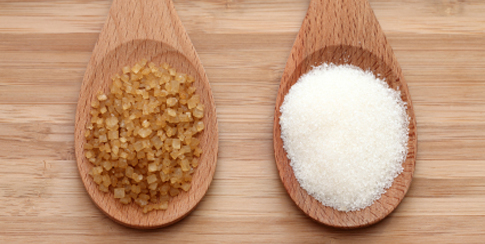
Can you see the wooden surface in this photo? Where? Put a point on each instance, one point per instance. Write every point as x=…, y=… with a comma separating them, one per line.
x=45, y=47
x=133, y=31
x=343, y=32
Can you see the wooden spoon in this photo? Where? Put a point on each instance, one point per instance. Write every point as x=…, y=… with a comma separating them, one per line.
x=343, y=32
x=134, y=30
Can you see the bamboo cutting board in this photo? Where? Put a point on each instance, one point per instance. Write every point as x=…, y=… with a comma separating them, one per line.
x=243, y=45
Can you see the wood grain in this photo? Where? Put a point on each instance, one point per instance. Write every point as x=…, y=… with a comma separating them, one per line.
x=152, y=30
x=343, y=32
x=45, y=47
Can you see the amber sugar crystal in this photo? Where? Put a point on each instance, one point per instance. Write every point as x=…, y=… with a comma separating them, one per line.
x=142, y=136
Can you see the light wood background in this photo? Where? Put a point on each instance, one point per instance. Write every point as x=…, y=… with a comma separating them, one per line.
x=44, y=50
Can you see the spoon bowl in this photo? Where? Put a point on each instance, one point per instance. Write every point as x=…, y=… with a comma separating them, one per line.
x=343, y=32
x=159, y=38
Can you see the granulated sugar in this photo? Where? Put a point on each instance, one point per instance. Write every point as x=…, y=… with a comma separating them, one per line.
x=345, y=132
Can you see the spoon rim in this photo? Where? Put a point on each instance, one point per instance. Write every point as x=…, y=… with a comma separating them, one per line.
x=307, y=203
x=203, y=174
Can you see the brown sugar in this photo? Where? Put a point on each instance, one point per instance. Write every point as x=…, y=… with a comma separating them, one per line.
x=142, y=136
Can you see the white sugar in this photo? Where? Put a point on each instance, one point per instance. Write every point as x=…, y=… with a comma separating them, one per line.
x=345, y=132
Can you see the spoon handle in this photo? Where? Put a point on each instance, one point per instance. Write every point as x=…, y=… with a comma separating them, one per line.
x=330, y=23
x=130, y=20
x=341, y=22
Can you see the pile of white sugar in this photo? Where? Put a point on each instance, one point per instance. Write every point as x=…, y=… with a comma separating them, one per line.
x=345, y=132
